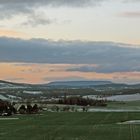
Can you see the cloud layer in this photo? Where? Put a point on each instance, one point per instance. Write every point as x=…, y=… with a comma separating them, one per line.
x=107, y=57
x=29, y=3
x=29, y=8
x=12, y=7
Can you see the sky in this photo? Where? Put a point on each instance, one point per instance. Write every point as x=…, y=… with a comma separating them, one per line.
x=65, y=40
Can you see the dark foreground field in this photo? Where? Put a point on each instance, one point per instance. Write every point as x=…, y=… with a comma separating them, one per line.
x=71, y=126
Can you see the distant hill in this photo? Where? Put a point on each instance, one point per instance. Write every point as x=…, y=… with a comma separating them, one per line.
x=90, y=84
x=78, y=83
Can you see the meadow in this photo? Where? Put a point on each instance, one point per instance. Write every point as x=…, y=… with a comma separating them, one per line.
x=71, y=126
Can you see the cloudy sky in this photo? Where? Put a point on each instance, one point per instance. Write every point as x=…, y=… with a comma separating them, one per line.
x=49, y=40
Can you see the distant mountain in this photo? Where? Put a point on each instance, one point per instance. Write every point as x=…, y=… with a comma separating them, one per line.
x=78, y=83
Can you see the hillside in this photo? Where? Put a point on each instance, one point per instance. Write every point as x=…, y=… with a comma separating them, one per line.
x=6, y=84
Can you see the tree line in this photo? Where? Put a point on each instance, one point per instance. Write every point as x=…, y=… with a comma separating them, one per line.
x=82, y=101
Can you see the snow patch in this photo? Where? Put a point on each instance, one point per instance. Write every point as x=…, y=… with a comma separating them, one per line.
x=14, y=97
x=32, y=92
x=130, y=122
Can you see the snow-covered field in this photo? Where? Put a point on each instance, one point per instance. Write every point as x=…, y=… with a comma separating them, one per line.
x=9, y=98
x=3, y=97
x=131, y=97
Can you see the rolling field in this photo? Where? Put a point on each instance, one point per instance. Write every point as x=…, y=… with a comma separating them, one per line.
x=71, y=126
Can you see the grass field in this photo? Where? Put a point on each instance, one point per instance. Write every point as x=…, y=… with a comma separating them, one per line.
x=71, y=126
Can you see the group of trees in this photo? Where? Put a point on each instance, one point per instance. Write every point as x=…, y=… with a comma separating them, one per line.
x=28, y=109
x=6, y=108
x=82, y=101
